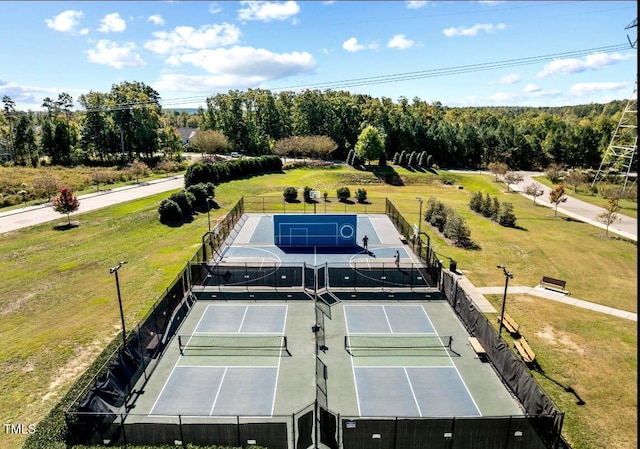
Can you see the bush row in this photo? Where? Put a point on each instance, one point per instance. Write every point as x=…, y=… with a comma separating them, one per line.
x=491, y=208
x=227, y=171
x=448, y=223
x=183, y=204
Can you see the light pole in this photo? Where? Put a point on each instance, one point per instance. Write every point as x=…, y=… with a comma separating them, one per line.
x=507, y=276
x=419, y=216
x=114, y=270
x=209, y=198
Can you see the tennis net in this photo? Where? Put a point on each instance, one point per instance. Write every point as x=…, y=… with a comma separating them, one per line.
x=396, y=342
x=234, y=343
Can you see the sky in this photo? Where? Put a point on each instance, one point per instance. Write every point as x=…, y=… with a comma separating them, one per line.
x=458, y=53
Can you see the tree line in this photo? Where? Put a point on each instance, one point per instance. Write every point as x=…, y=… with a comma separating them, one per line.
x=128, y=123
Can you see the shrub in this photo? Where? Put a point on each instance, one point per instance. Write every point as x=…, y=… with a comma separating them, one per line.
x=361, y=195
x=185, y=200
x=475, y=203
x=448, y=179
x=396, y=157
x=290, y=194
x=457, y=230
x=169, y=211
x=306, y=193
x=343, y=193
x=200, y=192
x=506, y=217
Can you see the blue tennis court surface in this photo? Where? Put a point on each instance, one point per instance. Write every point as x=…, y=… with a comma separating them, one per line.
x=205, y=384
x=416, y=392
x=218, y=391
x=258, y=319
x=425, y=382
x=382, y=319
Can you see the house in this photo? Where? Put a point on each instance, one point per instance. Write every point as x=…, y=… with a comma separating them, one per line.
x=186, y=134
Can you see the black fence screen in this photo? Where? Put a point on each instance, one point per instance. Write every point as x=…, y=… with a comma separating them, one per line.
x=546, y=419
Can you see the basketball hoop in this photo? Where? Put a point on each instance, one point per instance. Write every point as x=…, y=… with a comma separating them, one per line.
x=314, y=194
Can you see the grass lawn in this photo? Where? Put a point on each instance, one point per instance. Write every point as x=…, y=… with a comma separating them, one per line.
x=58, y=303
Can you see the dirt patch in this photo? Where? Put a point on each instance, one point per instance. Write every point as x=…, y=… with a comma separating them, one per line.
x=74, y=367
x=559, y=339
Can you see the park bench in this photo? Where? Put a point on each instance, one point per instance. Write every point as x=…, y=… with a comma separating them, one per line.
x=402, y=238
x=553, y=284
x=525, y=351
x=510, y=324
x=475, y=344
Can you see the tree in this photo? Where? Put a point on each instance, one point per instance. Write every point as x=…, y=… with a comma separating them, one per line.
x=610, y=214
x=138, y=168
x=369, y=145
x=9, y=112
x=535, y=190
x=66, y=202
x=210, y=142
x=557, y=196
x=512, y=177
x=575, y=178
x=45, y=185
x=498, y=169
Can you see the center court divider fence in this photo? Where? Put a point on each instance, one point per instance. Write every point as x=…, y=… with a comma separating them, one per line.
x=100, y=415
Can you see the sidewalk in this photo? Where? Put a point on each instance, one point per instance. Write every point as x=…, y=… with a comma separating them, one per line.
x=477, y=295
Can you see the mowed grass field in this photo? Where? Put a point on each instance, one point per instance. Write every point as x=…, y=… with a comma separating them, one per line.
x=58, y=302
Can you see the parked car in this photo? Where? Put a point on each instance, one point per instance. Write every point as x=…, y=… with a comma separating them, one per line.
x=234, y=154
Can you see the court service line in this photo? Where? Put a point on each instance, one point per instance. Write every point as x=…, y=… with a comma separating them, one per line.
x=195, y=329
x=353, y=368
x=413, y=393
x=387, y=318
x=459, y=375
x=163, y=387
x=218, y=392
x=246, y=309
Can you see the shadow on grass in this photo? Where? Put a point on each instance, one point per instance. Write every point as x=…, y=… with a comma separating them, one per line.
x=386, y=174
x=177, y=223
x=568, y=388
x=66, y=226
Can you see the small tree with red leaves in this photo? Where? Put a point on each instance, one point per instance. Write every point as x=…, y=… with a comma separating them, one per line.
x=66, y=202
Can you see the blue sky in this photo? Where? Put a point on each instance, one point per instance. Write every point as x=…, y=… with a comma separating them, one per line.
x=460, y=53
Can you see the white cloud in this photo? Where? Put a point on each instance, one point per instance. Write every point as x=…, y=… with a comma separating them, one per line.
x=185, y=38
x=267, y=11
x=351, y=45
x=204, y=84
x=112, y=23
x=118, y=56
x=532, y=88
x=30, y=97
x=156, y=19
x=591, y=62
x=249, y=63
x=583, y=89
x=214, y=8
x=511, y=78
x=400, y=42
x=416, y=4
x=474, y=30
x=65, y=21
x=490, y=2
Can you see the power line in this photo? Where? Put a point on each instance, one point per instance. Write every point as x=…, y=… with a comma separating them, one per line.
x=391, y=78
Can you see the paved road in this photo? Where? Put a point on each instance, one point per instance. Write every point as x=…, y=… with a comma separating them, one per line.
x=33, y=215
x=626, y=227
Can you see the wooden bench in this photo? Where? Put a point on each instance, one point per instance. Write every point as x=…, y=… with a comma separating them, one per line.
x=475, y=344
x=510, y=324
x=553, y=284
x=525, y=351
x=402, y=238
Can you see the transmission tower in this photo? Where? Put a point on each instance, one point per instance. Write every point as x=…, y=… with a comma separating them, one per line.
x=622, y=149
